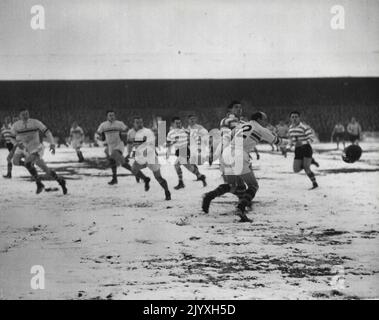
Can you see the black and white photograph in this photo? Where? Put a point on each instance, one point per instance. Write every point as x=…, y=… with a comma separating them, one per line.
x=189, y=150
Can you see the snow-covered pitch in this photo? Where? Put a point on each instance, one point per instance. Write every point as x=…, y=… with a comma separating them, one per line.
x=119, y=242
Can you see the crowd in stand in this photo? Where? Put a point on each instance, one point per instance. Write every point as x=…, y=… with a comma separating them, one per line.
x=323, y=103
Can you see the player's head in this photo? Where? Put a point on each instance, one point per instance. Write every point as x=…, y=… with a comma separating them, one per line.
x=295, y=117
x=260, y=117
x=353, y=120
x=24, y=114
x=192, y=119
x=111, y=115
x=176, y=122
x=235, y=108
x=137, y=123
x=75, y=124
x=7, y=120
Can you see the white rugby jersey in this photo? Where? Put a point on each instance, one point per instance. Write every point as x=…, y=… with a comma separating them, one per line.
x=144, y=135
x=112, y=132
x=196, y=132
x=179, y=137
x=301, y=132
x=252, y=133
x=27, y=133
x=6, y=133
x=76, y=133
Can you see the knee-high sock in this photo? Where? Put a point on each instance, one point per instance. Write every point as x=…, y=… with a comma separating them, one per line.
x=194, y=169
x=54, y=175
x=33, y=171
x=140, y=175
x=126, y=165
x=311, y=176
x=179, y=171
x=80, y=154
x=9, y=168
x=220, y=190
x=248, y=196
x=114, y=168
x=161, y=181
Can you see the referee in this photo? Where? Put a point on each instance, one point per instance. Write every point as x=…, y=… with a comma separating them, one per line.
x=301, y=136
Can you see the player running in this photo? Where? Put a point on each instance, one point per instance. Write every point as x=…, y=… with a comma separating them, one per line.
x=112, y=131
x=338, y=134
x=301, y=136
x=244, y=138
x=227, y=124
x=354, y=130
x=178, y=137
x=6, y=135
x=143, y=140
x=25, y=134
x=77, y=138
x=197, y=132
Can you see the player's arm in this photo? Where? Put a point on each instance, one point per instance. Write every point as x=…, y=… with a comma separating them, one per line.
x=309, y=134
x=99, y=134
x=171, y=138
x=271, y=138
x=123, y=130
x=129, y=143
x=47, y=133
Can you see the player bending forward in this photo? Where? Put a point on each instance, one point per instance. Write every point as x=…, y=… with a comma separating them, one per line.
x=77, y=138
x=143, y=140
x=25, y=134
x=237, y=166
x=301, y=136
x=178, y=137
x=112, y=132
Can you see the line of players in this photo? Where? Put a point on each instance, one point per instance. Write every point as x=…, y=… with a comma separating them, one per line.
x=26, y=149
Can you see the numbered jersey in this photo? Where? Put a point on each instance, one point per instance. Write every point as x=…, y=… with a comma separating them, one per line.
x=247, y=135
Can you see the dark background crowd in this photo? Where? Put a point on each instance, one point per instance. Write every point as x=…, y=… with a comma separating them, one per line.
x=322, y=102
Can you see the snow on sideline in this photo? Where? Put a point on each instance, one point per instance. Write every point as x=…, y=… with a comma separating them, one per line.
x=119, y=242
